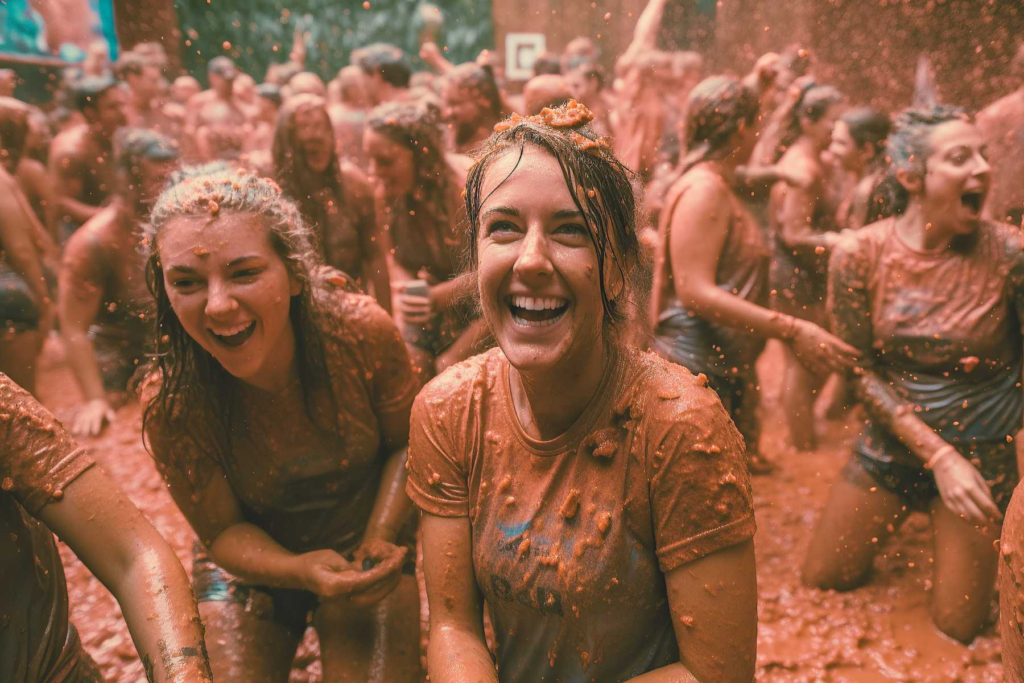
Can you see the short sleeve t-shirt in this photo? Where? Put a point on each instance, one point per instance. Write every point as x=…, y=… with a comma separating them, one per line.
x=311, y=484
x=942, y=328
x=572, y=537
x=38, y=460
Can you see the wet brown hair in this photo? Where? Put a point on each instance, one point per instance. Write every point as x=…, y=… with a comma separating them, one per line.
x=297, y=179
x=716, y=108
x=909, y=146
x=479, y=79
x=416, y=127
x=192, y=383
x=606, y=193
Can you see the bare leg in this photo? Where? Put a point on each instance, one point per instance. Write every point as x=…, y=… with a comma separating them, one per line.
x=798, y=403
x=245, y=644
x=379, y=644
x=19, y=353
x=965, y=573
x=853, y=525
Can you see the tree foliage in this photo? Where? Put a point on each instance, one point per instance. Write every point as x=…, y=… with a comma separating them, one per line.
x=256, y=33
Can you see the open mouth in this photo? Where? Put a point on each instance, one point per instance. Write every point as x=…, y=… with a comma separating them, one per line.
x=235, y=336
x=531, y=311
x=972, y=201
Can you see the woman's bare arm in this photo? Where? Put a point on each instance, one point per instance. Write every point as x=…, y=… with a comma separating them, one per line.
x=122, y=549
x=457, y=652
x=713, y=602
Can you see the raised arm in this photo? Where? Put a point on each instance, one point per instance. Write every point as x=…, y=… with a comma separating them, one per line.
x=120, y=547
x=645, y=33
x=457, y=652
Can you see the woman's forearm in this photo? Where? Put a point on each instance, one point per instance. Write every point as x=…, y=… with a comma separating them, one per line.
x=161, y=615
x=457, y=655
x=81, y=357
x=392, y=509
x=898, y=416
x=724, y=308
x=250, y=553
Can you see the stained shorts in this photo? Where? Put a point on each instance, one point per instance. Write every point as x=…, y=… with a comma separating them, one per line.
x=291, y=608
x=997, y=463
x=18, y=310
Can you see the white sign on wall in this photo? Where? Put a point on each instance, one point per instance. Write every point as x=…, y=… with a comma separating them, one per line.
x=521, y=51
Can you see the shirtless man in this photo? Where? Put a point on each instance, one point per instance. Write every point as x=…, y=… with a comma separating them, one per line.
x=217, y=102
x=387, y=73
x=102, y=291
x=1002, y=124
x=81, y=161
x=348, y=114
x=471, y=105
x=146, y=86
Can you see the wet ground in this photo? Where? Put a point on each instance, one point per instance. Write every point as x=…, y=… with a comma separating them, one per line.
x=878, y=633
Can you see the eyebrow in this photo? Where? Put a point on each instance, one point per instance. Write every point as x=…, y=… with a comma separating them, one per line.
x=231, y=264
x=241, y=259
x=515, y=213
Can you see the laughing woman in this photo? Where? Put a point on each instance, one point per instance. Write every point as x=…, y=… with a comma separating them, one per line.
x=278, y=414
x=594, y=497
x=933, y=299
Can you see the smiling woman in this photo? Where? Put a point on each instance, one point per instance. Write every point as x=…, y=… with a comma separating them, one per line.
x=277, y=411
x=589, y=493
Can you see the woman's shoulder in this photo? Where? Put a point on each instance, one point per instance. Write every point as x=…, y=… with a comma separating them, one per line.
x=670, y=392
x=476, y=375
x=346, y=312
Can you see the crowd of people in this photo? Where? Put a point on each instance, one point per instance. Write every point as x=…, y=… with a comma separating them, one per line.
x=411, y=348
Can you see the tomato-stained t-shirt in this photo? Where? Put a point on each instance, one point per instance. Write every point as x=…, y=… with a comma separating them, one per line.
x=572, y=537
x=310, y=484
x=38, y=460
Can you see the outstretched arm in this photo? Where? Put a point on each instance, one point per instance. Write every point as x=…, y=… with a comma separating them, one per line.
x=127, y=555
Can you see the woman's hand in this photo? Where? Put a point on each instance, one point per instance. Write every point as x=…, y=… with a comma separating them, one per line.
x=331, y=576
x=415, y=309
x=818, y=350
x=92, y=418
x=962, y=487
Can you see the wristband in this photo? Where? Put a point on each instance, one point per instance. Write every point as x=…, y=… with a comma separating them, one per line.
x=789, y=333
x=941, y=453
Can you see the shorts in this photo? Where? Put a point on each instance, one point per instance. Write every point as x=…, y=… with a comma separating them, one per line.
x=289, y=607
x=916, y=486
x=18, y=308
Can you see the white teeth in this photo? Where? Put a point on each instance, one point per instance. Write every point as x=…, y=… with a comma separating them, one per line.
x=227, y=332
x=530, y=303
x=537, y=323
